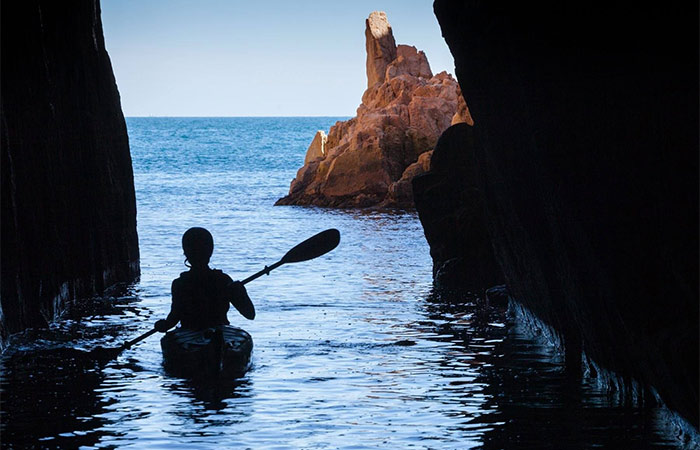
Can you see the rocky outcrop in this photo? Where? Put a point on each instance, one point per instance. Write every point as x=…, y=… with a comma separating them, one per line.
x=400, y=193
x=68, y=205
x=403, y=112
x=585, y=149
x=317, y=148
x=450, y=207
x=380, y=46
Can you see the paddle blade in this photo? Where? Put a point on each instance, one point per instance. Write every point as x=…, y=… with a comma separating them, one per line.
x=313, y=247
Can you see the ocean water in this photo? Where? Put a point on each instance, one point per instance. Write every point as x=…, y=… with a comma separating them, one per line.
x=353, y=350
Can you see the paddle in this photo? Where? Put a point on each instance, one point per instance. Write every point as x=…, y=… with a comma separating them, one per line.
x=313, y=247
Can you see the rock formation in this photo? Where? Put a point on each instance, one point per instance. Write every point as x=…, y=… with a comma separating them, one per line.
x=317, y=148
x=585, y=148
x=451, y=210
x=403, y=112
x=380, y=45
x=68, y=204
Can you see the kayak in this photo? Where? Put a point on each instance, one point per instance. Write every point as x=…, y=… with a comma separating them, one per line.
x=224, y=351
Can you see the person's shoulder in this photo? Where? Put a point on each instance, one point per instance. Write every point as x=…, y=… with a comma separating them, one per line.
x=220, y=275
x=184, y=276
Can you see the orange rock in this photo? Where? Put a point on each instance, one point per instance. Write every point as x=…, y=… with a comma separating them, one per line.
x=462, y=114
x=400, y=194
x=380, y=45
x=317, y=148
x=371, y=159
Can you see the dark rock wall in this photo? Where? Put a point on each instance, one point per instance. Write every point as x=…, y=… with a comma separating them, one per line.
x=586, y=152
x=68, y=205
x=450, y=206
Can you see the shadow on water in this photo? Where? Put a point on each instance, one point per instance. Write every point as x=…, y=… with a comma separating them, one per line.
x=50, y=381
x=211, y=395
x=63, y=412
x=527, y=401
x=210, y=408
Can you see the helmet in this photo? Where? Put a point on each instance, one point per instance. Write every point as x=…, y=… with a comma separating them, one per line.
x=198, y=245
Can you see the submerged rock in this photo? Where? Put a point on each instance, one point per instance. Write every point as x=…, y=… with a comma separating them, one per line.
x=403, y=112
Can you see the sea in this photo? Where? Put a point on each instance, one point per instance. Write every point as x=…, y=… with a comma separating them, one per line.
x=352, y=350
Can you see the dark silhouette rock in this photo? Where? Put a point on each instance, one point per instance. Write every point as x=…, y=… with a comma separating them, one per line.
x=586, y=147
x=451, y=210
x=497, y=296
x=68, y=205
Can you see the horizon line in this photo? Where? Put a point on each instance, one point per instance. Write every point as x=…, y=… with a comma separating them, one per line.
x=226, y=117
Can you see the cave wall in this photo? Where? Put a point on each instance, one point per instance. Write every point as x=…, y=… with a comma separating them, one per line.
x=450, y=207
x=68, y=206
x=586, y=153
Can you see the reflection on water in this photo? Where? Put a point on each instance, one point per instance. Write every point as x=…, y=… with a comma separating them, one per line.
x=352, y=350
x=435, y=372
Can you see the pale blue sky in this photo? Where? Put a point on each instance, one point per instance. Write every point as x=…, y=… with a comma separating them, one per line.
x=247, y=58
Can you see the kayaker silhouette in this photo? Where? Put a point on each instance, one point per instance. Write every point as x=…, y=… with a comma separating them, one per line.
x=201, y=296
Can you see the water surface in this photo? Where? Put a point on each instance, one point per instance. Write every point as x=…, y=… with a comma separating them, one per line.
x=352, y=350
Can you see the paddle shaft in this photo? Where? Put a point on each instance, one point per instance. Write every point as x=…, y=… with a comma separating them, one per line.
x=128, y=344
x=265, y=271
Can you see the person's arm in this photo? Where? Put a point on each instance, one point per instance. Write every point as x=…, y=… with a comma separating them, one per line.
x=173, y=318
x=238, y=296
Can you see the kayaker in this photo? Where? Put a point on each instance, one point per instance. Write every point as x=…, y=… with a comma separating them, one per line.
x=201, y=296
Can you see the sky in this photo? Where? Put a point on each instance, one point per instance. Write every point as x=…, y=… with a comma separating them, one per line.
x=254, y=58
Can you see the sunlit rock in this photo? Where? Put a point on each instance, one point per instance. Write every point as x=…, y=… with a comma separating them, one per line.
x=403, y=112
x=317, y=148
x=462, y=115
x=380, y=45
x=401, y=192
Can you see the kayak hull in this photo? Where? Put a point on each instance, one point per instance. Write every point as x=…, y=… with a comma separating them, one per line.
x=223, y=352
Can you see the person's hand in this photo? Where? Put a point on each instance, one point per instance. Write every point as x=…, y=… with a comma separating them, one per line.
x=161, y=326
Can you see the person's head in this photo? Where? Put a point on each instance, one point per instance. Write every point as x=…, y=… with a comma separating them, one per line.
x=198, y=245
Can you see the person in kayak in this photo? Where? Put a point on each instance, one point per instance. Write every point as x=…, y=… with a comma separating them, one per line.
x=201, y=296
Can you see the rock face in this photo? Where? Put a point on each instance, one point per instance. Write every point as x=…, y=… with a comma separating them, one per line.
x=401, y=192
x=586, y=155
x=450, y=207
x=317, y=148
x=403, y=112
x=380, y=45
x=68, y=205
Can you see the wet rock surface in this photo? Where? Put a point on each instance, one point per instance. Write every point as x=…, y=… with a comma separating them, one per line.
x=68, y=205
x=403, y=112
x=585, y=146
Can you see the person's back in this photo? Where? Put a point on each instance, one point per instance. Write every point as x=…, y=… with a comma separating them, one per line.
x=201, y=296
